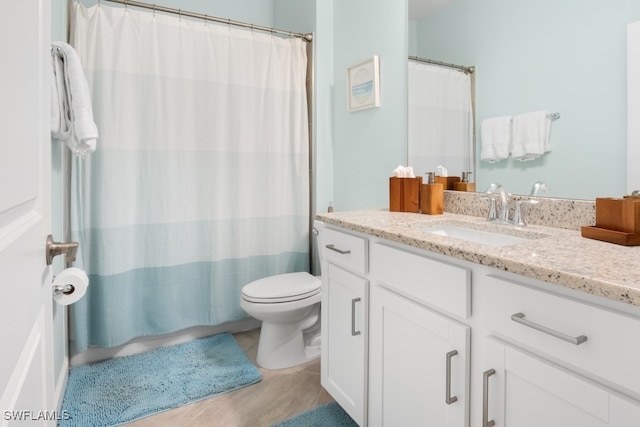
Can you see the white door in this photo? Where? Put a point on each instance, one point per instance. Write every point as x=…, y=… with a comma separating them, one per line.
x=419, y=365
x=26, y=381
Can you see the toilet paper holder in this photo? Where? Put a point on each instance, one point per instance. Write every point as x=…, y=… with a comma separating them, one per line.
x=64, y=289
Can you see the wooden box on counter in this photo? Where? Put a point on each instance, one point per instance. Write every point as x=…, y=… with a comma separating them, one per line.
x=404, y=194
x=617, y=221
x=618, y=214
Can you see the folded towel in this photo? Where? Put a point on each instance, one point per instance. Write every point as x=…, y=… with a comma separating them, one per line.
x=531, y=133
x=496, y=138
x=71, y=113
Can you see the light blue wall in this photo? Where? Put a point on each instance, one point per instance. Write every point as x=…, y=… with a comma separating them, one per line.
x=369, y=144
x=566, y=57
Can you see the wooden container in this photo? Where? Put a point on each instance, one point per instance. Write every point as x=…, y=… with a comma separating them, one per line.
x=618, y=214
x=464, y=186
x=611, y=236
x=432, y=199
x=448, y=182
x=404, y=194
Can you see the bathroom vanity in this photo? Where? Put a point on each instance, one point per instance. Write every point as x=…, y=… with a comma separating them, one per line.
x=443, y=321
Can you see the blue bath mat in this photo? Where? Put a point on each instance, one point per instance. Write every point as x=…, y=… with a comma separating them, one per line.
x=330, y=415
x=124, y=389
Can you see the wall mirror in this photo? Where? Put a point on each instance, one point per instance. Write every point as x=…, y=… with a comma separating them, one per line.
x=542, y=55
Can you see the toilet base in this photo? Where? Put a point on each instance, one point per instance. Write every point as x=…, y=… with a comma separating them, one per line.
x=286, y=345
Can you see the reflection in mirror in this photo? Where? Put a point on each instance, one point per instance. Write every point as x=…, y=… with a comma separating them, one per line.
x=440, y=117
x=543, y=56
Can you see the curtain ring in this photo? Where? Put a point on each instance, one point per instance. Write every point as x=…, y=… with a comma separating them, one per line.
x=206, y=17
x=154, y=9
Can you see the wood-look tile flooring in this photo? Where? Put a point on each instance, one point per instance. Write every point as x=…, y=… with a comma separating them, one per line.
x=282, y=394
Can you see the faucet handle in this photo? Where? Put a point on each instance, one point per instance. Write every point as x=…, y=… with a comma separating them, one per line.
x=493, y=206
x=518, y=218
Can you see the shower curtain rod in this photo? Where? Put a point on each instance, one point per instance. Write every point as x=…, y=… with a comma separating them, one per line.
x=444, y=64
x=306, y=37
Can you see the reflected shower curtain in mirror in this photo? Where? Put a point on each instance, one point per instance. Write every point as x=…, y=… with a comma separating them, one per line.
x=440, y=119
x=200, y=182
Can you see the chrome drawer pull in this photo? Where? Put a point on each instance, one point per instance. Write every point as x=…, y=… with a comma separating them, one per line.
x=486, y=422
x=519, y=317
x=340, y=251
x=448, y=398
x=353, y=317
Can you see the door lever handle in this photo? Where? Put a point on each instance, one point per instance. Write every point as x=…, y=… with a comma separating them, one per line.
x=54, y=249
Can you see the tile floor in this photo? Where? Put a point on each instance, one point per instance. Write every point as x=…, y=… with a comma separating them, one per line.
x=281, y=394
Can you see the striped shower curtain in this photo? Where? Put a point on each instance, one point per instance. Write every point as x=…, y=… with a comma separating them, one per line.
x=200, y=181
x=440, y=119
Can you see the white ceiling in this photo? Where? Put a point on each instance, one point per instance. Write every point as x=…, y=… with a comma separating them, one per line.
x=418, y=9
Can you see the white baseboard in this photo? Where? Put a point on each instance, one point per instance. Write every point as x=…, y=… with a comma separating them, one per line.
x=142, y=344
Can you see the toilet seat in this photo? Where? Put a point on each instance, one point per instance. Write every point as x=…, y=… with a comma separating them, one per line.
x=282, y=288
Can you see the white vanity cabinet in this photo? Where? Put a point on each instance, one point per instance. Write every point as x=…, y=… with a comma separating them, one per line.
x=419, y=357
x=416, y=338
x=554, y=361
x=344, y=318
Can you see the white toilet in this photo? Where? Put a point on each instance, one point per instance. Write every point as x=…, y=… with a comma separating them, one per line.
x=289, y=307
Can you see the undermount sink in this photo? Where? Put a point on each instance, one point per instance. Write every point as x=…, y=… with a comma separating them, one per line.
x=484, y=237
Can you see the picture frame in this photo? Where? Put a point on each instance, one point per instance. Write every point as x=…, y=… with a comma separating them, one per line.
x=363, y=85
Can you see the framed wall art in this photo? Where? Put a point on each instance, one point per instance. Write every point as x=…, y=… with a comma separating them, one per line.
x=363, y=85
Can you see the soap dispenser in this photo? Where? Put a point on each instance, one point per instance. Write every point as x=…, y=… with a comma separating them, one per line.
x=464, y=184
x=432, y=196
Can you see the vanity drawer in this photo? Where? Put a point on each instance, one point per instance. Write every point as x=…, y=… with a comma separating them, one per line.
x=611, y=350
x=346, y=250
x=444, y=286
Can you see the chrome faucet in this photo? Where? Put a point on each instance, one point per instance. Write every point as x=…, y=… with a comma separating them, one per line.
x=539, y=186
x=505, y=197
x=504, y=200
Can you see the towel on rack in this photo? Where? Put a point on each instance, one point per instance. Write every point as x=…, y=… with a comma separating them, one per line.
x=496, y=138
x=71, y=112
x=531, y=132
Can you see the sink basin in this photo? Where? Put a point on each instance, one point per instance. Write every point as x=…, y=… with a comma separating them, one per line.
x=475, y=236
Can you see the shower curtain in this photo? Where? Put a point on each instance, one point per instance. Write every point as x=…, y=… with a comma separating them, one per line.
x=440, y=119
x=200, y=181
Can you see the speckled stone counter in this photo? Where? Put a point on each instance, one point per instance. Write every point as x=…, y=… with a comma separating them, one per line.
x=555, y=255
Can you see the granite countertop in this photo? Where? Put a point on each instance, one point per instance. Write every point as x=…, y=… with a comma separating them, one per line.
x=554, y=255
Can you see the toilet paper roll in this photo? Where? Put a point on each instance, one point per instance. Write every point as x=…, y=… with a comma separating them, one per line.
x=70, y=285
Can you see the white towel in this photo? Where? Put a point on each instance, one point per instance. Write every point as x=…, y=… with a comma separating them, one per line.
x=496, y=138
x=531, y=132
x=71, y=113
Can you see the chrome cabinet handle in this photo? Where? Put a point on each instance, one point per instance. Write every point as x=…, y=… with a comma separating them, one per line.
x=486, y=422
x=353, y=317
x=340, y=251
x=448, y=398
x=519, y=318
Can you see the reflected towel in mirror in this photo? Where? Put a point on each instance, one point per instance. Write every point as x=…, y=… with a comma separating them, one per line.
x=496, y=138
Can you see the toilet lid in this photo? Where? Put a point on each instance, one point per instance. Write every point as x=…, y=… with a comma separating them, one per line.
x=282, y=288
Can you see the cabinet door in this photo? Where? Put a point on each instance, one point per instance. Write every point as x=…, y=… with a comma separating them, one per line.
x=419, y=365
x=344, y=340
x=526, y=391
